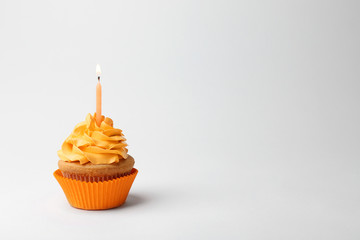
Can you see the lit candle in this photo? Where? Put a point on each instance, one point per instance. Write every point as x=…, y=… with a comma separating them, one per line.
x=98, y=96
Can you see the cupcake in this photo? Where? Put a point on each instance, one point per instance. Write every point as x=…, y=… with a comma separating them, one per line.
x=95, y=170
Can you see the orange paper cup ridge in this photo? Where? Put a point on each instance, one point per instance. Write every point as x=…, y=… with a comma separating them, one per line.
x=96, y=195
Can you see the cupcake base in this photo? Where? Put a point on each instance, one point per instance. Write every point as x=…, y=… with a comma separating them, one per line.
x=90, y=172
x=96, y=195
x=86, y=178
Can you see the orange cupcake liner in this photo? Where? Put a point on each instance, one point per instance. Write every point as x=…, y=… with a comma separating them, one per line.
x=96, y=195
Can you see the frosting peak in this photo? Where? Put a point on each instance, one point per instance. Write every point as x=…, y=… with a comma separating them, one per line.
x=91, y=143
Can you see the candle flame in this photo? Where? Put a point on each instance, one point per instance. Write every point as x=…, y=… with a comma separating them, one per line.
x=98, y=70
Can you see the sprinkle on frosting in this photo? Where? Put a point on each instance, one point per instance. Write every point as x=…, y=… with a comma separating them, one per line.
x=91, y=143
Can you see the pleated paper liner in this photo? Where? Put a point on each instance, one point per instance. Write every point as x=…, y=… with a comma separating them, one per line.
x=96, y=195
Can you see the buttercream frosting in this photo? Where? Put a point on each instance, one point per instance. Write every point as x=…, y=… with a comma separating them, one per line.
x=88, y=142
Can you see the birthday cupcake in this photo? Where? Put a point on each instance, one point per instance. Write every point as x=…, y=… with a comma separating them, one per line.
x=95, y=170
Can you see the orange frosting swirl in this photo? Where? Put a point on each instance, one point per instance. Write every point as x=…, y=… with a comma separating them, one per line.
x=91, y=143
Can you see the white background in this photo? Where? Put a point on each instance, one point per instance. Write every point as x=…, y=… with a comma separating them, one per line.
x=242, y=116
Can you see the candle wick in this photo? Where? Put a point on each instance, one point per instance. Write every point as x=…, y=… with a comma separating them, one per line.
x=99, y=78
